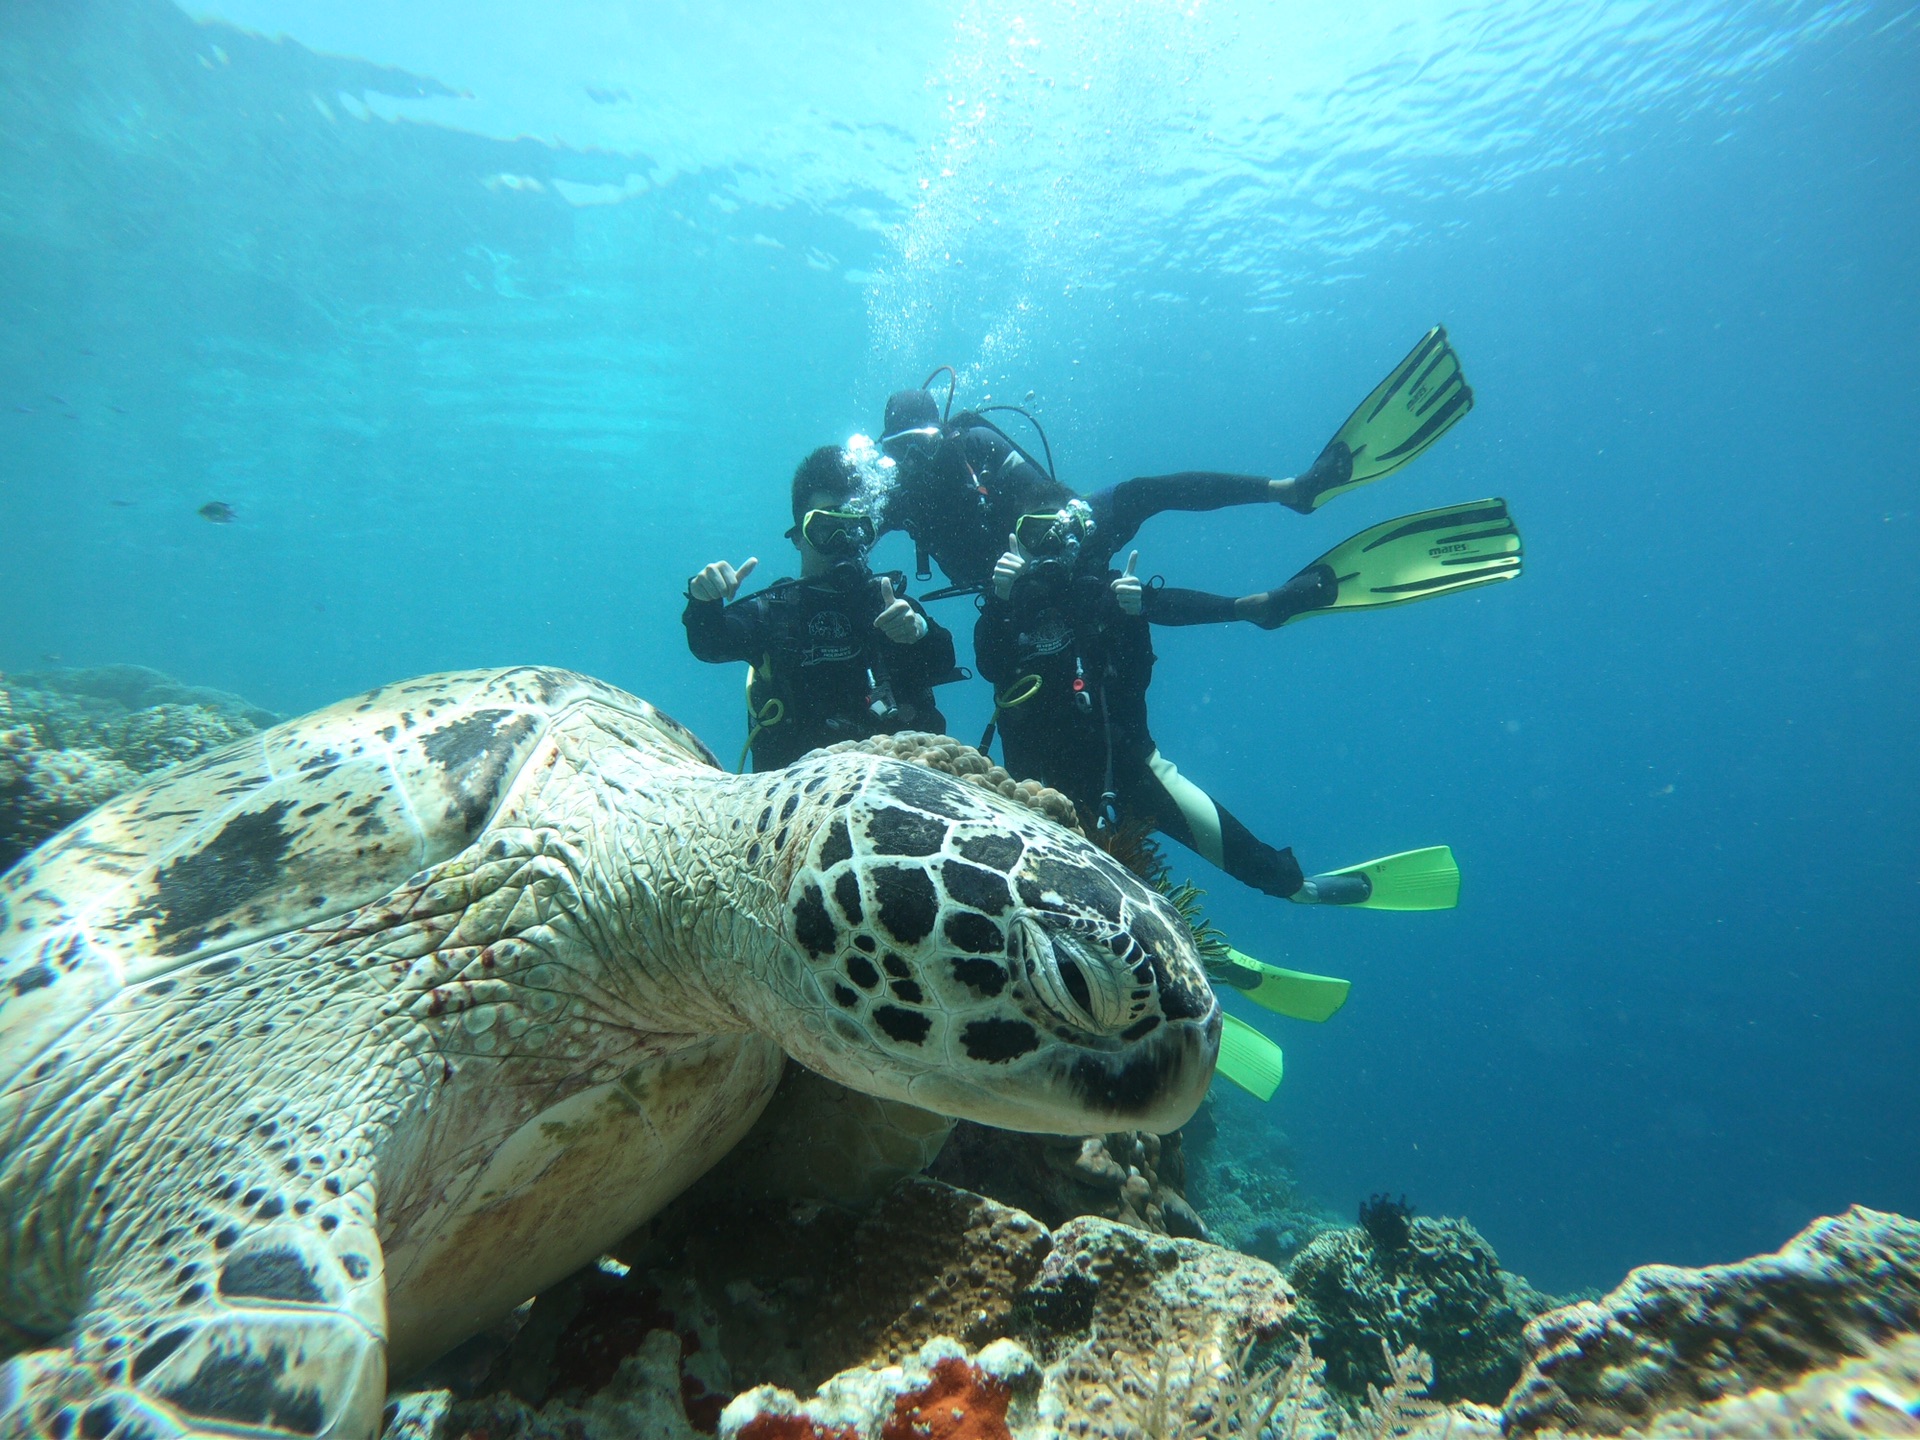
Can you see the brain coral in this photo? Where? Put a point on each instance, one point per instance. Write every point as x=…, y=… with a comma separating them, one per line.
x=1441, y=1289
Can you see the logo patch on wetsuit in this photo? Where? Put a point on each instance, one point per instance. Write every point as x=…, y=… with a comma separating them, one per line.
x=829, y=639
x=1049, y=634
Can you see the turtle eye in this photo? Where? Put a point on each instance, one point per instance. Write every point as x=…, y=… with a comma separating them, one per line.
x=1076, y=980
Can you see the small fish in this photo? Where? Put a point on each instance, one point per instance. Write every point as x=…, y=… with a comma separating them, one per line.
x=59, y=399
x=123, y=504
x=52, y=657
x=24, y=410
x=218, y=511
x=118, y=409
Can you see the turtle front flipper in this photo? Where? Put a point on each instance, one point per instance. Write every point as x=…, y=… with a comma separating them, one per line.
x=282, y=1336
x=195, y=1263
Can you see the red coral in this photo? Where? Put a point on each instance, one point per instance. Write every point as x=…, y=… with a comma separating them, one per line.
x=792, y=1427
x=960, y=1403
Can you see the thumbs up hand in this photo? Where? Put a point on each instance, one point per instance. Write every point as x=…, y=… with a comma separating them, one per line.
x=897, y=620
x=1007, y=569
x=719, y=580
x=1126, y=588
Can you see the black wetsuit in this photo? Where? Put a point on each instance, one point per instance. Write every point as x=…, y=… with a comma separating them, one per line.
x=814, y=649
x=1086, y=725
x=960, y=502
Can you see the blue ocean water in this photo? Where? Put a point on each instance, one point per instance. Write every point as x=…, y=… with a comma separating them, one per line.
x=492, y=326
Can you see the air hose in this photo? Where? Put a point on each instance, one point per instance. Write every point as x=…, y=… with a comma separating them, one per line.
x=1018, y=693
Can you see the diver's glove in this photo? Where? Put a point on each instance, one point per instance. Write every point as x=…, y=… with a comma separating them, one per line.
x=1126, y=588
x=719, y=580
x=1007, y=568
x=897, y=620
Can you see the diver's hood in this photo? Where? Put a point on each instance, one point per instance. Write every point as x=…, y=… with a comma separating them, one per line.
x=910, y=410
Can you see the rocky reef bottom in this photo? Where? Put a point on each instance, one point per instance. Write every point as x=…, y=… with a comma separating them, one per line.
x=1084, y=1299
x=939, y=1314
x=73, y=739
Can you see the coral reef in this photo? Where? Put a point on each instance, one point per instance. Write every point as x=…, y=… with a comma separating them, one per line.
x=932, y=1260
x=43, y=791
x=1130, y=1176
x=73, y=739
x=1118, y=1314
x=1435, y=1284
x=1874, y=1395
x=1138, y=1292
x=575, y=1339
x=1003, y=1393
x=942, y=1392
x=1671, y=1339
x=941, y=1315
x=643, y=1397
x=790, y=1294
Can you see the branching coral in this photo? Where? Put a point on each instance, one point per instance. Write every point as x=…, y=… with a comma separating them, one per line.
x=1395, y=1408
x=1176, y=1396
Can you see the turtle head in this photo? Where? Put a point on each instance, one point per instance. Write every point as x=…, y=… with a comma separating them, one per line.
x=961, y=952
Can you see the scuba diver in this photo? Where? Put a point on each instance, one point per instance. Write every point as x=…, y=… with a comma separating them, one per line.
x=838, y=654
x=1066, y=642
x=960, y=481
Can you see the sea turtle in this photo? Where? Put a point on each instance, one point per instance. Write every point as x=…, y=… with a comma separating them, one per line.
x=322, y=1052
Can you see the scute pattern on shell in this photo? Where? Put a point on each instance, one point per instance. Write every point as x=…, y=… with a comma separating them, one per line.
x=280, y=830
x=954, y=757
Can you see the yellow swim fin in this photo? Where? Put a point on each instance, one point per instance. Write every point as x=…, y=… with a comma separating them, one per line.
x=1413, y=557
x=1249, y=1059
x=1414, y=406
x=1293, y=993
x=1412, y=880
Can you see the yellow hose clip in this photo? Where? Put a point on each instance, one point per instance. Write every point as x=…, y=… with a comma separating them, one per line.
x=1018, y=693
x=765, y=718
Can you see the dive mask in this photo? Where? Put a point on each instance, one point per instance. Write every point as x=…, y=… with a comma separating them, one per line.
x=838, y=533
x=1054, y=534
x=921, y=440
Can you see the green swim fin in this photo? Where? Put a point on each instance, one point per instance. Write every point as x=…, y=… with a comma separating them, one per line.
x=1409, y=410
x=1412, y=558
x=1412, y=880
x=1249, y=1059
x=1292, y=993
